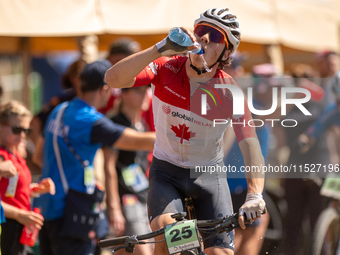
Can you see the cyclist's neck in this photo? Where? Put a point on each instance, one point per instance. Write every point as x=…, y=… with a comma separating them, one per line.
x=192, y=73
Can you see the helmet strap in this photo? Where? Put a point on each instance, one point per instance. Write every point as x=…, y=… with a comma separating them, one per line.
x=199, y=72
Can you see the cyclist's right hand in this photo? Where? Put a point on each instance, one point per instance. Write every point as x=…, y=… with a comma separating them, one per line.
x=29, y=218
x=168, y=48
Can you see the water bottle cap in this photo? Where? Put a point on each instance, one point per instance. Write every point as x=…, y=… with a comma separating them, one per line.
x=199, y=50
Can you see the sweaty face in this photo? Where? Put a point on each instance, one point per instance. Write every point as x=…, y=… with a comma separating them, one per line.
x=212, y=42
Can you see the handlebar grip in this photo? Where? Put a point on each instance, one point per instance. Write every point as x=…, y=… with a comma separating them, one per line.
x=112, y=242
x=245, y=216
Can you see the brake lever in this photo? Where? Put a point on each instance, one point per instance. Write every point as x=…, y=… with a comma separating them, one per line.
x=120, y=247
x=130, y=244
x=231, y=224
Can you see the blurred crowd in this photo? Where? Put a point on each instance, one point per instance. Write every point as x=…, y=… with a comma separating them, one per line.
x=293, y=202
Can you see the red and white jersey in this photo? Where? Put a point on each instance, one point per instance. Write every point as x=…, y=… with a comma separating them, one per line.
x=185, y=137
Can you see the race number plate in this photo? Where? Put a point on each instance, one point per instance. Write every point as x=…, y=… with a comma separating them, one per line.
x=181, y=236
x=331, y=188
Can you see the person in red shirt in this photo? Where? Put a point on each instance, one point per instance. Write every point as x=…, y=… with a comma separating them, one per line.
x=16, y=191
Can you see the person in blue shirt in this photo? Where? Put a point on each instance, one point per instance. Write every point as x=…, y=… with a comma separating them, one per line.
x=87, y=130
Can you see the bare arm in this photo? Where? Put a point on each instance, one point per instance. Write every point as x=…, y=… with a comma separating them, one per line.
x=22, y=216
x=251, y=151
x=122, y=74
x=115, y=214
x=37, y=156
x=132, y=140
x=252, y=155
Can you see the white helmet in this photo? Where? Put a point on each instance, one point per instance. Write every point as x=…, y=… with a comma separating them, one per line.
x=223, y=19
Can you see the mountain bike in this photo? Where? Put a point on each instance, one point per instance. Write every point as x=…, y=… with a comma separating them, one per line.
x=327, y=229
x=182, y=236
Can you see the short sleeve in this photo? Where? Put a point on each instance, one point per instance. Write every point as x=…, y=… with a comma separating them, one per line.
x=105, y=132
x=242, y=124
x=151, y=73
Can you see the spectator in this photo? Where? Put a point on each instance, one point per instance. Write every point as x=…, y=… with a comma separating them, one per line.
x=328, y=118
x=235, y=69
x=70, y=81
x=119, y=49
x=132, y=192
x=87, y=131
x=14, y=127
x=302, y=192
x=7, y=170
x=327, y=63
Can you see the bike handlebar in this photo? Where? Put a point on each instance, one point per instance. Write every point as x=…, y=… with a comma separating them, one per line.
x=112, y=242
x=225, y=224
x=134, y=239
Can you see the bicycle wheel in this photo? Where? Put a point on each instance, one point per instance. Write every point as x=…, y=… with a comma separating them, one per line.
x=327, y=233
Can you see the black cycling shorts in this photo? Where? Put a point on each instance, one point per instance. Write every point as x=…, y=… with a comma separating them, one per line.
x=170, y=184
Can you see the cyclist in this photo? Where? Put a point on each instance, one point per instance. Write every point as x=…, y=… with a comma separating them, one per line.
x=186, y=139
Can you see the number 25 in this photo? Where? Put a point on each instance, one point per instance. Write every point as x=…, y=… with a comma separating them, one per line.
x=186, y=233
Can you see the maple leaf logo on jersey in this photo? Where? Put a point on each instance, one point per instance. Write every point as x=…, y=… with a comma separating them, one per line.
x=182, y=132
x=166, y=109
x=153, y=67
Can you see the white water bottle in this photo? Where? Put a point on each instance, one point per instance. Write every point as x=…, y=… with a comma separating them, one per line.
x=178, y=36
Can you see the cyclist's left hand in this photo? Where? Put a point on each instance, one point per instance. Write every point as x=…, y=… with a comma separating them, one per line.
x=252, y=209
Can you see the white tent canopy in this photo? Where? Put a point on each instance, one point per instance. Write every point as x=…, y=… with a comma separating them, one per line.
x=30, y=18
x=309, y=25
x=150, y=16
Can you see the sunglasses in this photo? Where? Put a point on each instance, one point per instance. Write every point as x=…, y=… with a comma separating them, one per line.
x=216, y=35
x=17, y=129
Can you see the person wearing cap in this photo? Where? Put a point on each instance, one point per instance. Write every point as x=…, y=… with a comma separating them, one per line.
x=119, y=49
x=87, y=130
x=186, y=139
